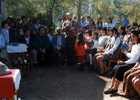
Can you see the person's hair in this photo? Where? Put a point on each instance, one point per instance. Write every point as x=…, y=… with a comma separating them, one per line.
x=41, y=28
x=127, y=27
x=98, y=21
x=130, y=28
x=136, y=33
x=110, y=19
x=69, y=13
x=110, y=29
x=30, y=20
x=94, y=27
x=104, y=29
x=125, y=15
x=18, y=19
x=58, y=28
x=99, y=27
x=23, y=17
x=84, y=27
x=25, y=30
x=82, y=17
x=51, y=29
x=80, y=39
x=114, y=29
x=96, y=35
x=32, y=31
x=9, y=18
x=37, y=19
x=92, y=21
x=11, y=23
x=89, y=31
x=64, y=18
x=3, y=23
x=124, y=31
x=88, y=16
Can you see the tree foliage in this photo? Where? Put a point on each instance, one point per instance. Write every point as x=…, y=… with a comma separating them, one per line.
x=54, y=9
x=116, y=8
x=17, y=8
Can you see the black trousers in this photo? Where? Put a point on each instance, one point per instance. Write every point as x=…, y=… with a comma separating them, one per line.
x=119, y=70
x=59, y=56
x=71, y=54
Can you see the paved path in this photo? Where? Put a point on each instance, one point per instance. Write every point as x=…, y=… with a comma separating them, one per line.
x=64, y=84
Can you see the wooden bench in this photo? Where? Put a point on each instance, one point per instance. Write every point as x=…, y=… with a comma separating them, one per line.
x=113, y=61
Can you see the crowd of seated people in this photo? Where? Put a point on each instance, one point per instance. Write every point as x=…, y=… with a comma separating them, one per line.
x=86, y=43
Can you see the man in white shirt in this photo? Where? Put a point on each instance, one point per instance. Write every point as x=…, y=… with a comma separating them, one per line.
x=59, y=46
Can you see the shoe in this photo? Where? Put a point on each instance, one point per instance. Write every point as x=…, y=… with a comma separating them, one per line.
x=101, y=74
x=110, y=91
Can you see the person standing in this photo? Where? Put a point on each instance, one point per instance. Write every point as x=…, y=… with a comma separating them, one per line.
x=135, y=23
x=125, y=21
x=83, y=22
x=70, y=27
x=37, y=25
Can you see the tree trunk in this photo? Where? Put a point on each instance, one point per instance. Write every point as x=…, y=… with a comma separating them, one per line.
x=51, y=18
x=79, y=9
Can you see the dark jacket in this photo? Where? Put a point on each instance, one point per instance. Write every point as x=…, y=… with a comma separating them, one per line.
x=42, y=41
x=31, y=42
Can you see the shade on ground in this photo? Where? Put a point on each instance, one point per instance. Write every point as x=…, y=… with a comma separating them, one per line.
x=64, y=84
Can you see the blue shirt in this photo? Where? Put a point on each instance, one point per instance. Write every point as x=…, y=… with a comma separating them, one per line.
x=125, y=22
x=5, y=34
x=2, y=42
x=83, y=24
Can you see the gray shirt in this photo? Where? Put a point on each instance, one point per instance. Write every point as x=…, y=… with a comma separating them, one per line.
x=59, y=40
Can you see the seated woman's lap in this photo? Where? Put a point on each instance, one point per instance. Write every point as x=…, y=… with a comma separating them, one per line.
x=121, y=70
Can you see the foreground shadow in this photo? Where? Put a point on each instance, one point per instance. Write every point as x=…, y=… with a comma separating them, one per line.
x=57, y=84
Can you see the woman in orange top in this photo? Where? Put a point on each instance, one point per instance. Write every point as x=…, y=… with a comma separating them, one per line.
x=80, y=51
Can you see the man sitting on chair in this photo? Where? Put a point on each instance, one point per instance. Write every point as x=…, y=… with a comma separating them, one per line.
x=59, y=45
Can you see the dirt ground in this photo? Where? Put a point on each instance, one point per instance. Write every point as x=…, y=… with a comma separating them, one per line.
x=65, y=83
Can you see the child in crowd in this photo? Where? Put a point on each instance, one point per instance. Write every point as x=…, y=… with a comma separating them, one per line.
x=88, y=39
x=88, y=45
x=93, y=48
x=95, y=40
x=80, y=51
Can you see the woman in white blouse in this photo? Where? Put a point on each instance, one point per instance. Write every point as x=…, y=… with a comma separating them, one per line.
x=109, y=23
x=111, y=52
x=123, y=66
x=103, y=37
